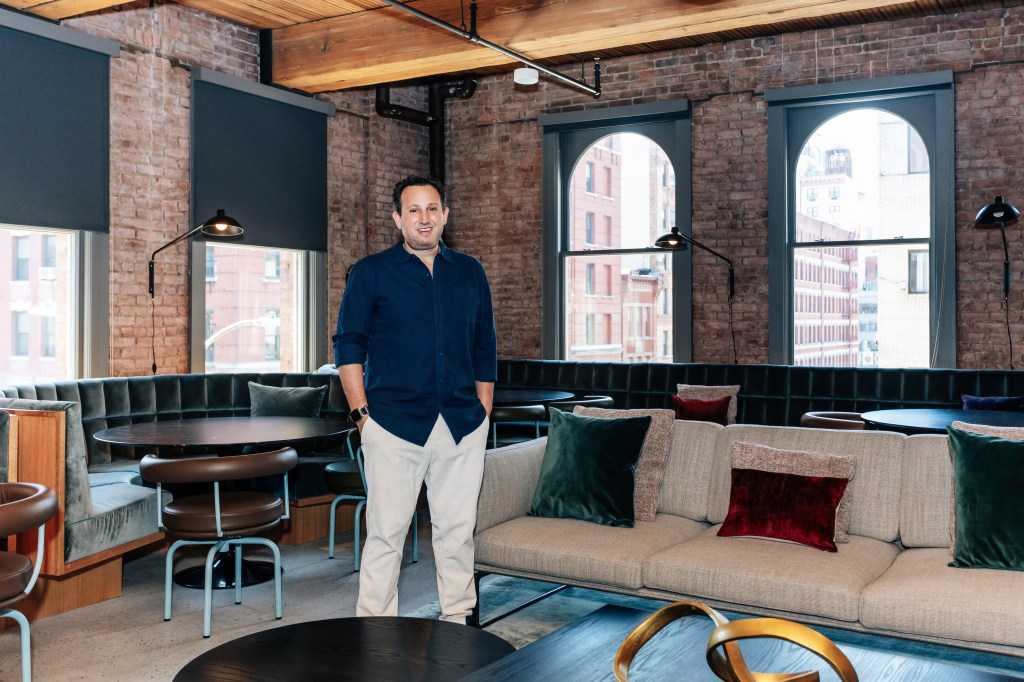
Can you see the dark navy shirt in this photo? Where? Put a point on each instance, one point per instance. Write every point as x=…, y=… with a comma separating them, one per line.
x=425, y=340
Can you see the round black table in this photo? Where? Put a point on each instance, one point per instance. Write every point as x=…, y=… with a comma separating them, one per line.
x=227, y=435
x=935, y=420
x=340, y=649
x=528, y=396
x=222, y=432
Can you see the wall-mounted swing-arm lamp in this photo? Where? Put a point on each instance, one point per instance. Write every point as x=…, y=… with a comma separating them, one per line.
x=472, y=36
x=677, y=241
x=220, y=225
x=1002, y=214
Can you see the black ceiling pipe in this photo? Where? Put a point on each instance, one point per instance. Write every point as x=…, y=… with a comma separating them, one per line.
x=433, y=118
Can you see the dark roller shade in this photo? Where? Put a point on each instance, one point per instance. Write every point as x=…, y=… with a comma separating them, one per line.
x=260, y=153
x=54, y=125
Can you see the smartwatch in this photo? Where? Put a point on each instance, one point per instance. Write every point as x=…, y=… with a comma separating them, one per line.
x=355, y=416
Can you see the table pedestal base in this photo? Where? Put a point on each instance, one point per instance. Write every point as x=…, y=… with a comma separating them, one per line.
x=253, y=573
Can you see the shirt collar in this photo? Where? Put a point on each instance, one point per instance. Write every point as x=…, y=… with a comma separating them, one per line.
x=402, y=255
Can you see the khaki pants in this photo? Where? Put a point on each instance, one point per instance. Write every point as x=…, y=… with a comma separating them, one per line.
x=395, y=471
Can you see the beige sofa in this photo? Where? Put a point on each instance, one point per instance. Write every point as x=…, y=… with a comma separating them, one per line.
x=892, y=577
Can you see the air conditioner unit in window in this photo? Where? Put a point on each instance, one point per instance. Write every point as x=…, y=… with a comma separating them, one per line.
x=48, y=273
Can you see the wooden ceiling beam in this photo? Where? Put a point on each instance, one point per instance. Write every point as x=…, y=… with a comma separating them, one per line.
x=62, y=9
x=387, y=45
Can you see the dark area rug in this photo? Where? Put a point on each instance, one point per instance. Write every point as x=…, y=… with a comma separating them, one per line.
x=501, y=593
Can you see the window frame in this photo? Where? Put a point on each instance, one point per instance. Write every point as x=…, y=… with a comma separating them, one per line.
x=311, y=305
x=926, y=101
x=566, y=137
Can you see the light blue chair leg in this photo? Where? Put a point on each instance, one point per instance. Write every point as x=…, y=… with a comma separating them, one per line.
x=26, y=642
x=415, y=536
x=334, y=511
x=238, y=542
x=238, y=573
x=208, y=587
x=358, y=530
x=169, y=576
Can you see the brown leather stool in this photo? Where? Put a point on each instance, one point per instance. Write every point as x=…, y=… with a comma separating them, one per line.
x=220, y=519
x=849, y=421
x=23, y=506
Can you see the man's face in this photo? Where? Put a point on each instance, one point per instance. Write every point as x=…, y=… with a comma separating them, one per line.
x=422, y=218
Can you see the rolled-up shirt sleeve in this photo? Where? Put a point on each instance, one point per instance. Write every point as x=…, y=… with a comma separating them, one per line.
x=354, y=316
x=485, y=353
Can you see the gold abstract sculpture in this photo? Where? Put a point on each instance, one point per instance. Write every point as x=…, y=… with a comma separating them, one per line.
x=723, y=653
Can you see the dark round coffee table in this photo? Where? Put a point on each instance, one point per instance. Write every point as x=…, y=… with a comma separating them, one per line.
x=340, y=649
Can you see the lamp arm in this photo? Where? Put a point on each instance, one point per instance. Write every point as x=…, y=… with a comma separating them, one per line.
x=732, y=270
x=152, y=256
x=1006, y=262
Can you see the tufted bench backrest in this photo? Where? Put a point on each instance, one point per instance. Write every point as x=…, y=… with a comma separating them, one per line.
x=769, y=394
x=117, y=401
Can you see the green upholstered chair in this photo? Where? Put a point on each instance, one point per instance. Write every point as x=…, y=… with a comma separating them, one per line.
x=221, y=519
x=23, y=506
x=348, y=481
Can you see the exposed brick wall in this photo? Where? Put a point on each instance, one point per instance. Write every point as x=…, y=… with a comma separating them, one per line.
x=495, y=161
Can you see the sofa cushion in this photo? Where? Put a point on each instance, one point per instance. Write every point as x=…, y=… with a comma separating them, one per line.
x=920, y=595
x=993, y=402
x=989, y=475
x=123, y=512
x=763, y=458
x=802, y=579
x=698, y=392
x=927, y=492
x=587, y=472
x=271, y=401
x=684, y=490
x=1007, y=432
x=781, y=506
x=581, y=551
x=650, y=469
x=714, y=410
x=875, y=503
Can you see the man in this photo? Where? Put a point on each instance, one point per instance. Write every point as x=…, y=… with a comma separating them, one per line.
x=416, y=352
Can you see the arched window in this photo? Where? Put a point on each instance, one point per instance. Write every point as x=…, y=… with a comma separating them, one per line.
x=604, y=292
x=880, y=260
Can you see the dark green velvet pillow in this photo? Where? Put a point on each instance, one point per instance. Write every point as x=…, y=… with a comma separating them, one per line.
x=989, y=475
x=587, y=472
x=274, y=401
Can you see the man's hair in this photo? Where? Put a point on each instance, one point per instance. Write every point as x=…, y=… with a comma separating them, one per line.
x=415, y=181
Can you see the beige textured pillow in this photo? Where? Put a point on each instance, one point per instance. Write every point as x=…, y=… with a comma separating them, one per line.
x=763, y=458
x=1007, y=432
x=697, y=392
x=650, y=468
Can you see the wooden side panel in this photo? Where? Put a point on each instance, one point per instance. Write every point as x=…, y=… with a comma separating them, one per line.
x=310, y=520
x=39, y=458
x=57, y=594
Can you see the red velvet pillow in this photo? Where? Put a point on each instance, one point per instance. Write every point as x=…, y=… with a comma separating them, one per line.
x=715, y=410
x=799, y=509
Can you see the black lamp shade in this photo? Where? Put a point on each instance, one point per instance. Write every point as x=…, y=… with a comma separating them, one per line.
x=997, y=213
x=222, y=225
x=672, y=240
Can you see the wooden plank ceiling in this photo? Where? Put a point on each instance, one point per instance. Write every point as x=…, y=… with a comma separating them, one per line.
x=322, y=45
